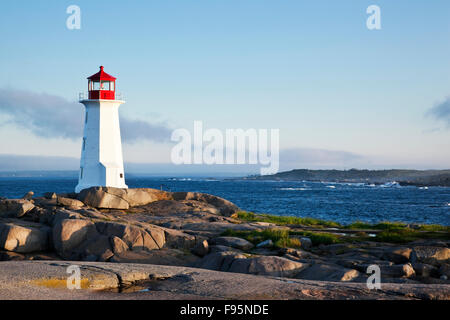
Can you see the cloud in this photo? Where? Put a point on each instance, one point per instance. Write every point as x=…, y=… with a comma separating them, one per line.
x=441, y=111
x=295, y=158
x=135, y=130
x=51, y=116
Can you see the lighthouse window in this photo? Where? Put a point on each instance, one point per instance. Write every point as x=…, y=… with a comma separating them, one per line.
x=81, y=172
x=84, y=143
x=105, y=85
x=121, y=175
x=85, y=119
x=96, y=85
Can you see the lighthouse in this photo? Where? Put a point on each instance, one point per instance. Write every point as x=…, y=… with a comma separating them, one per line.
x=101, y=152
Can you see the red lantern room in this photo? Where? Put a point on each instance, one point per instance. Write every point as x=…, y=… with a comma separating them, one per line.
x=102, y=86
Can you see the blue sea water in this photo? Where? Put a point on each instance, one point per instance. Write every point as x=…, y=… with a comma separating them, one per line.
x=340, y=202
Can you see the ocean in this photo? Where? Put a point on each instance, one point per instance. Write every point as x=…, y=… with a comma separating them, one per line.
x=341, y=202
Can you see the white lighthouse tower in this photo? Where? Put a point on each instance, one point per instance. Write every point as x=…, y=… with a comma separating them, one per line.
x=101, y=153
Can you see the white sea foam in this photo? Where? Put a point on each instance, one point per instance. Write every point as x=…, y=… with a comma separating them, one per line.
x=393, y=184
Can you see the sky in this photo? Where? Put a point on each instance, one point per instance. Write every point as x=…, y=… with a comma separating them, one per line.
x=342, y=95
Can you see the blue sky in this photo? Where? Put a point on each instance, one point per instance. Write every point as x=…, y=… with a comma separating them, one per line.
x=310, y=68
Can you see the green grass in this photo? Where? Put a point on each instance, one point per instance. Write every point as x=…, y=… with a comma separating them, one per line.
x=392, y=232
x=405, y=234
x=408, y=235
x=278, y=236
x=285, y=220
x=433, y=227
x=318, y=238
x=397, y=226
x=378, y=226
x=283, y=238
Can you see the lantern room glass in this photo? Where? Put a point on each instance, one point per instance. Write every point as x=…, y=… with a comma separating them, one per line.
x=104, y=85
x=101, y=85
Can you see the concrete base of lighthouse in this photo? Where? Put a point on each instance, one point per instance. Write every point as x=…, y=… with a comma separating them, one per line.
x=97, y=176
x=101, y=157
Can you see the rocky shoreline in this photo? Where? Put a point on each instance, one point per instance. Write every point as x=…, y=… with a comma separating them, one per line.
x=209, y=237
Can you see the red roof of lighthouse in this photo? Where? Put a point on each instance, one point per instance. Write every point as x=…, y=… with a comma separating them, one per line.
x=101, y=75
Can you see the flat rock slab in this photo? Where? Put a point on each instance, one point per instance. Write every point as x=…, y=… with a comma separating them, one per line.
x=37, y=279
x=233, y=242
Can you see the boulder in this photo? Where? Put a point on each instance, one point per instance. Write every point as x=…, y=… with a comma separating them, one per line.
x=238, y=264
x=99, y=247
x=45, y=203
x=265, y=244
x=297, y=253
x=305, y=243
x=136, y=238
x=214, y=229
x=28, y=196
x=173, y=207
x=177, y=239
x=70, y=235
x=397, y=255
x=23, y=237
x=78, y=239
x=425, y=270
x=71, y=203
x=50, y=195
x=92, y=213
x=327, y=272
x=225, y=207
x=233, y=242
x=220, y=261
x=104, y=197
x=116, y=198
x=261, y=265
x=70, y=195
x=397, y=271
x=118, y=245
x=274, y=266
x=15, y=207
x=41, y=215
x=201, y=249
x=408, y=270
x=157, y=234
x=430, y=255
x=220, y=248
x=444, y=270
x=52, y=217
x=143, y=196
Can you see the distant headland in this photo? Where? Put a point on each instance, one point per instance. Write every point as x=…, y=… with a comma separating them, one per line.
x=403, y=177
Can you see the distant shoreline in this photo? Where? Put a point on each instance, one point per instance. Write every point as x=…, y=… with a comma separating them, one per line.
x=418, y=178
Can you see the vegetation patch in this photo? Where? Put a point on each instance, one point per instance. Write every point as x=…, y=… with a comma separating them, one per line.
x=392, y=232
x=318, y=238
x=284, y=220
x=283, y=238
